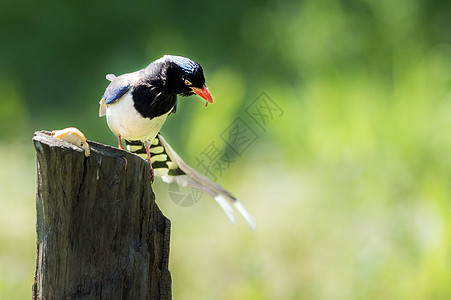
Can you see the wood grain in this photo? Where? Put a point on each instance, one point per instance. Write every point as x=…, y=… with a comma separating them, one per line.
x=100, y=233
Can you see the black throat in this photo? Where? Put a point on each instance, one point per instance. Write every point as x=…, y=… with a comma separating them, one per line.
x=151, y=101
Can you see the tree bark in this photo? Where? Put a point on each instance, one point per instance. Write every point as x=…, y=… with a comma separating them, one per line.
x=100, y=234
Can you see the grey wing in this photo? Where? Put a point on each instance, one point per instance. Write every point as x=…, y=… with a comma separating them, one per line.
x=168, y=165
x=118, y=87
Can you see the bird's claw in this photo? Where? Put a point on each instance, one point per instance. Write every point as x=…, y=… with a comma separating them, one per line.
x=152, y=173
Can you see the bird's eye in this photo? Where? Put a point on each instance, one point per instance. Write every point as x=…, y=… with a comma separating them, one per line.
x=187, y=82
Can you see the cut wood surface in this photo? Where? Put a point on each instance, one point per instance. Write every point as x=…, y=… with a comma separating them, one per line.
x=100, y=234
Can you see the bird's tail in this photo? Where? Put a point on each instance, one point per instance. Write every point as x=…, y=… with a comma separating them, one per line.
x=168, y=165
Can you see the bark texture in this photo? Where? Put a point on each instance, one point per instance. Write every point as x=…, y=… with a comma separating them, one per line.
x=100, y=234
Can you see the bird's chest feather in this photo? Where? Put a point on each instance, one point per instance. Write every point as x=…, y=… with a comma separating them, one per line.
x=124, y=120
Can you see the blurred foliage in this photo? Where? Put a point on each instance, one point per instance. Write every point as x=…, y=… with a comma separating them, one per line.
x=350, y=187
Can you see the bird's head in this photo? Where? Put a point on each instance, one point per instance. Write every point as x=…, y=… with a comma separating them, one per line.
x=185, y=77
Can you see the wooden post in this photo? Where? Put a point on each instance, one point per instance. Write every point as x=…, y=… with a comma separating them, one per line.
x=100, y=233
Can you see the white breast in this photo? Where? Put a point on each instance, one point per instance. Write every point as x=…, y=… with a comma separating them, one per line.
x=124, y=120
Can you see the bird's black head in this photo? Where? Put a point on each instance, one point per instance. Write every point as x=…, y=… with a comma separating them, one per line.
x=184, y=77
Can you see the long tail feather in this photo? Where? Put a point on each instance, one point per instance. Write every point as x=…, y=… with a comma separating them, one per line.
x=168, y=165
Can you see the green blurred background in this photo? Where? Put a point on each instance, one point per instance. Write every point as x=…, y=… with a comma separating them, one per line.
x=350, y=187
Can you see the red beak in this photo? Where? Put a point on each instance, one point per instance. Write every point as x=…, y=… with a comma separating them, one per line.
x=204, y=93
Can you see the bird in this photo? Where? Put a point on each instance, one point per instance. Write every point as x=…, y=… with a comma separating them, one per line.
x=136, y=106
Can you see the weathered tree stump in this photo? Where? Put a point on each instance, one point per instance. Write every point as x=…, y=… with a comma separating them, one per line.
x=100, y=233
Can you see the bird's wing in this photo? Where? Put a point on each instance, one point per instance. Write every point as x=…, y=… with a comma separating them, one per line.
x=118, y=87
x=102, y=108
x=110, y=77
x=168, y=165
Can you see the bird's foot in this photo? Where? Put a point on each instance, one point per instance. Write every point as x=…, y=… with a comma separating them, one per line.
x=119, y=142
x=152, y=173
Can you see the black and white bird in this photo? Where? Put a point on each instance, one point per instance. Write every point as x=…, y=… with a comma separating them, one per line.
x=136, y=106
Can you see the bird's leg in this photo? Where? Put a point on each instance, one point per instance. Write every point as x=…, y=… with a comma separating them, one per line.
x=152, y=175
x=119, y=142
